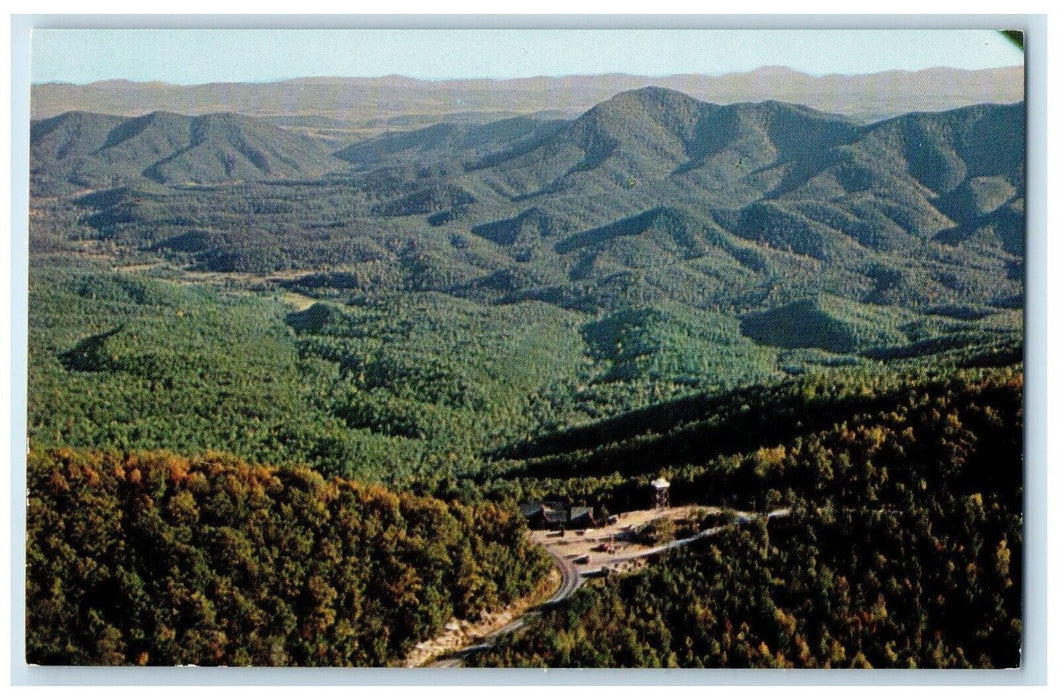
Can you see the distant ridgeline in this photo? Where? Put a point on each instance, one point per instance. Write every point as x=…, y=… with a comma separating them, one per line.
x=337, y=108
x=652, y=198
x=760, y=302
x=656, y=246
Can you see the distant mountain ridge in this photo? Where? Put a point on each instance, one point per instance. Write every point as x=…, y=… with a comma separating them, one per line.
x=93, y=150
x=373, y=105
x=842, y=236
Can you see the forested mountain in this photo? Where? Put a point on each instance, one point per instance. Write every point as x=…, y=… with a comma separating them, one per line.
x=96, y=151
x=650, y=196
x=256, y=566
x=767, y=303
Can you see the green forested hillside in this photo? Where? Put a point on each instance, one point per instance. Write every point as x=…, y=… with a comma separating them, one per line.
x=126, y=362
x=903, y=549
x=384, y=390
x=766, y=304
x=651, y=195
x=148, y=558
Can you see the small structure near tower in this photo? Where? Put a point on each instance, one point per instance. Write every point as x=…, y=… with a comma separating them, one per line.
x=661, y=493
x=552, y=515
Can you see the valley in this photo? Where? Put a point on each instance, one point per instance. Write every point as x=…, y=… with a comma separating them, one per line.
x=325, y=363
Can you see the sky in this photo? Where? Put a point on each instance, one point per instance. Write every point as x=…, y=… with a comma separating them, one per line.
x=193, y=56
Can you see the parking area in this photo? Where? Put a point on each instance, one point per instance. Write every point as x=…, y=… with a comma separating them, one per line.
x=612, y=546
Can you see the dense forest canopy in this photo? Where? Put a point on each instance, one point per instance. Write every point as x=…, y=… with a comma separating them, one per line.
x=904, y=550
x=417, y=331
x=149, y=558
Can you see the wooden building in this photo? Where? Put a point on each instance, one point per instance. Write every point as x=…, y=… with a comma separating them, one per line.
x=554, y=514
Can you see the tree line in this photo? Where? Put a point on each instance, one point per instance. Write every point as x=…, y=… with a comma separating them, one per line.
x=904, y=550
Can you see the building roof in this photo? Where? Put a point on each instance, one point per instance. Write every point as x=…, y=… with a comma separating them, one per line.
x=556, y=516
x=660, y=483
x=554, y=512
x=580, y=512
x=530, y=510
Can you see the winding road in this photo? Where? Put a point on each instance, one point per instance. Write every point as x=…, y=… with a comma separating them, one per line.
x=572, y=579
x=708, y=532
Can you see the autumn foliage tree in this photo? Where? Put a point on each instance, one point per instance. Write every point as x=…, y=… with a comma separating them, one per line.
x=149, y=558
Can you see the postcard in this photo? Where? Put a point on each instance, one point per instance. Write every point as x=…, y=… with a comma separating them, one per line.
x=512, y=348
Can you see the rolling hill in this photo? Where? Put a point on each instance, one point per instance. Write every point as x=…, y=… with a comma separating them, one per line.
x=418, y=286
x=651, y=198
x=96, y=150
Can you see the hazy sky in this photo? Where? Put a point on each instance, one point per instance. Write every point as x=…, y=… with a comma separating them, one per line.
x=201, y=56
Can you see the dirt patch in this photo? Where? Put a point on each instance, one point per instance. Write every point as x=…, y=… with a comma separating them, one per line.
x=459, y=634
x=246, y=280
x=300, y=302
x=227, y=280
x=612, y=546
x=139, y=267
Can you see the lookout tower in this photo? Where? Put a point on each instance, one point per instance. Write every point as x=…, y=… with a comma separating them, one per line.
x=661, y=493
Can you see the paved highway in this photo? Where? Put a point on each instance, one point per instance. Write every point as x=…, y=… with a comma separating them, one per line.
x=708, y=532
x=571, y=580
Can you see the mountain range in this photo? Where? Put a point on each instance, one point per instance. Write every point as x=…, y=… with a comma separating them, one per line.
x=650, y=196
x=779, y=309
x=88, y=149
x=338, y=108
